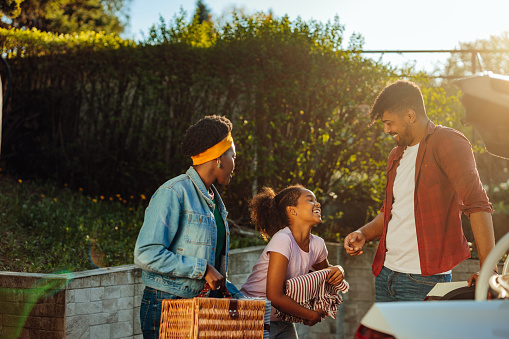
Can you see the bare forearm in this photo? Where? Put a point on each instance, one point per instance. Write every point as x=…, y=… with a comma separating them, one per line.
x=289, y=306
x=373, y=229
x=482, y=228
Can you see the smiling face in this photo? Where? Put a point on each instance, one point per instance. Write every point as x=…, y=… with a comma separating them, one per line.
x=308, y=208
x=399, y=127
x=227, y=161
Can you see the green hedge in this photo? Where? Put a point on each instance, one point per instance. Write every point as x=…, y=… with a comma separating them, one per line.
x=110, y=120
x=25, y=43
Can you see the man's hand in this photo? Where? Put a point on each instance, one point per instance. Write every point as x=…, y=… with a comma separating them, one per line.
x=214, y=278
x=474, y=277
x=354, y=243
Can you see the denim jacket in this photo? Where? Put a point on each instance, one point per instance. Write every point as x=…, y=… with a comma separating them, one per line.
x=179, y=236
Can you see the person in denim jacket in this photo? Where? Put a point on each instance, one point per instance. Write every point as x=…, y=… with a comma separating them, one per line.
x=183, y=243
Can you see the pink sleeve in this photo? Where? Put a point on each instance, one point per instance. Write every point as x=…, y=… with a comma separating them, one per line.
x=280, y=243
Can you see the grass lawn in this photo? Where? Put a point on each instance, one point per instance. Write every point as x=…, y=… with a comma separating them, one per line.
x=48, y=229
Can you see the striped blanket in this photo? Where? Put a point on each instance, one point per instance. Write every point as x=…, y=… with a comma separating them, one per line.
x=311, y=291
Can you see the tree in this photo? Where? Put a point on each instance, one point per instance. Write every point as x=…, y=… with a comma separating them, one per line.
x=202, y=11
x=69, y=16
x=461, y=64
x=10, y=8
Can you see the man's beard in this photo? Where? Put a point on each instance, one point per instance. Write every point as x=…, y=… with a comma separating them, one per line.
x=405, y=138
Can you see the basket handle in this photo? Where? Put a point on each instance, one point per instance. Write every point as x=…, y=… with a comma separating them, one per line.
x=207, y=288
x=233, y=305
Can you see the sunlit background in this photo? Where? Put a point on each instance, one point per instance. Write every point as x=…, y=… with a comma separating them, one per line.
x=385, y=25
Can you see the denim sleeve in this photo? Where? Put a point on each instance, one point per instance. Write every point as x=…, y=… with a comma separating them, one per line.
x=152, y=251
x=234, y=291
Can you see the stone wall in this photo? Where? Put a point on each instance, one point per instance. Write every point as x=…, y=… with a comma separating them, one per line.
x=101, y=303
x=20, y=297
x=105, y=303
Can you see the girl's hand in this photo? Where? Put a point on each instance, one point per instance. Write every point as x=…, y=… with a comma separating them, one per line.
x=336, y=275
x=214, y=278
x=316, y=318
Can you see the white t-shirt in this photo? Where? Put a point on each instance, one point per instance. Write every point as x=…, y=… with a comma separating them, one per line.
x=402, y=249
x=299, y=262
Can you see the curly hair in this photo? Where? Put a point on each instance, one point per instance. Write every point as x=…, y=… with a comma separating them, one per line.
x=268, y=209
x=207, y=132
x=397, y=98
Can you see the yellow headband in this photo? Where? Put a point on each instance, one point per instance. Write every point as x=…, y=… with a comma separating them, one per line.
x=214, y=152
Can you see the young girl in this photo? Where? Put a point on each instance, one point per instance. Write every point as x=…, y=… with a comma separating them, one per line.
x=287, y=217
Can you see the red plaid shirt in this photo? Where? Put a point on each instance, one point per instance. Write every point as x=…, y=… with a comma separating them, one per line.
x=446, y=184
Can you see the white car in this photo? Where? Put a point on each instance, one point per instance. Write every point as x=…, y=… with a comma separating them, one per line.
x=486, y=99
x=479, y=318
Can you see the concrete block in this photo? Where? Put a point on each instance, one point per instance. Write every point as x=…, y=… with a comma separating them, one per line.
x=110, y=305
x=60, y=310
x=70, y=296
x=60, y=298
x=136, y=321
x=70, y=309
x=14, y=308
x=123, y=278
x=238, y=279
x=46, y=334
x=44, y=310
x=76, y=327
x=59, y=324
x=12, y=295
x=12, y=320
x=361, y=290
x=126, y=315
x=121, y=329
x=125, y=303
x=328, y=325
x=19, y=280
x=139, y=288
x=111, y=292
x=96, y=293
x=100, y=331
x=137, y=275
x=126, y=290
x=91, y=281
x=89, y=307
x=10, y=332
x=82, y=295
x=107, y=280
x=75, y=284
x=103, y=318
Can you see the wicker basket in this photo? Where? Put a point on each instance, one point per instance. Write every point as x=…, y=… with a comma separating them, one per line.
x=212, y=318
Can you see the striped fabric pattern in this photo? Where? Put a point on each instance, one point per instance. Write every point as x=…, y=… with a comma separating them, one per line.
x=312, y=292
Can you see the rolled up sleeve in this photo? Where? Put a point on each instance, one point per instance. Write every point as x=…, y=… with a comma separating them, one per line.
x=460, y=167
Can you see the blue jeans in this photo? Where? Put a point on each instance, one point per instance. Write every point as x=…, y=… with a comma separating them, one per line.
x=150, y=311
x=282, y=330
x=396, y=286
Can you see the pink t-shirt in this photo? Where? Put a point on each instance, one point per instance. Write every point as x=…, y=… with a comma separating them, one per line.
x=299, y=262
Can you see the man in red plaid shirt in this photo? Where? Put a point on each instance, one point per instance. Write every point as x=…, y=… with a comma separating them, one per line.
x=431, y=179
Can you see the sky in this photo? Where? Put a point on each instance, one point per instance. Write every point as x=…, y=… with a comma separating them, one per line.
x=384, y=24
